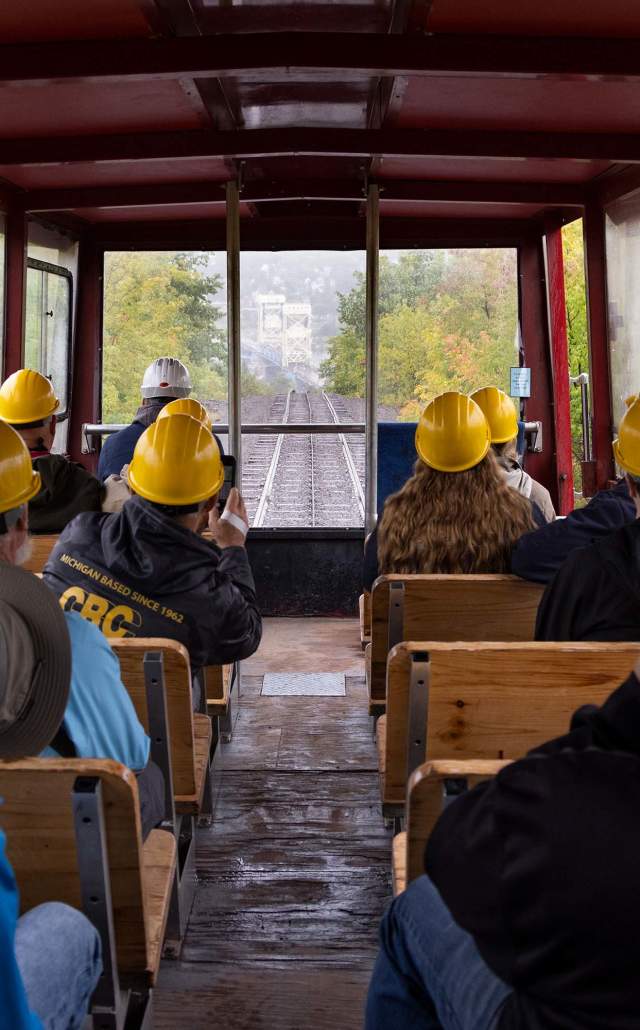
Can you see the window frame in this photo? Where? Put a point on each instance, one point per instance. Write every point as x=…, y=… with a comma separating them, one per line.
x=51, y=269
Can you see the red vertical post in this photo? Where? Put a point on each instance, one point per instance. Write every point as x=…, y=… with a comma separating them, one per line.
x=535, y=341
x=557, y=311
x=85, y=383
x=600, y=373
x=15, y=284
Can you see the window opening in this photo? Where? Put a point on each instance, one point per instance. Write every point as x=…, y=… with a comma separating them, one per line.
x=163, y=303
x=48, y=323
x=578, y=345
x=622, y=234
x=292, y=310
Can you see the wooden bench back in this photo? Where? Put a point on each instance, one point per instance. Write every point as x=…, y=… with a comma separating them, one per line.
x=426, y=800
x=495, y=701
x=42, y=548
x=177, y=679
x=449, y=608
x=37, y=817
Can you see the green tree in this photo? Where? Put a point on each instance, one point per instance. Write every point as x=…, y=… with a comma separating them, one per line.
x=158, y=303
x=577, y=331
x=447, y=321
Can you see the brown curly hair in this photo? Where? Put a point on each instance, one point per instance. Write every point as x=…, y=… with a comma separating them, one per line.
x=451, y=522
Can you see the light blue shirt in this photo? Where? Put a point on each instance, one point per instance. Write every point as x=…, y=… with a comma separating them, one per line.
x=100, y=718
x=14, y=1007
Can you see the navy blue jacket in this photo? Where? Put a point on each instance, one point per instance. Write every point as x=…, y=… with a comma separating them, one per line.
x=117, y=450
x=539, y=554
x=139, y=573
x=540, y=866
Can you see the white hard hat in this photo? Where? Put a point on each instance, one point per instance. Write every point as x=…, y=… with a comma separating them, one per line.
x=166, y=377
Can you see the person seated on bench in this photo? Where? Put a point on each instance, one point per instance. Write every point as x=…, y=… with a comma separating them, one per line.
x=28, y=403
x=456, y=513
x=119, y=485
x=50, y=957
x=163, y=381
x=596, y=593
x=529, y=914
x=100, y=720
x=146, y=571
x=539, y=555
x=500, y=412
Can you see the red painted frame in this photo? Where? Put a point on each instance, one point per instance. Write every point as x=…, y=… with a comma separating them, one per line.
x=599, y=365
x=557, y=313
x=15, y=285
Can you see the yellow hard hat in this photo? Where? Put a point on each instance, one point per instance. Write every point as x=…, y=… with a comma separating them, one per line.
x=452, y=435
x=499, y=411
x=626, y=447
x=187, y=406
x=176, y=461
x=18, y=482
x=27, y=396
x=631, y=399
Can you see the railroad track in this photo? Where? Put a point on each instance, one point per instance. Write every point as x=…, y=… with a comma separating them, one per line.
x=311, y=480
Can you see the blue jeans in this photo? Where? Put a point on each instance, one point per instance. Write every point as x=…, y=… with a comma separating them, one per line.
x=429, y=974
x=59, y=957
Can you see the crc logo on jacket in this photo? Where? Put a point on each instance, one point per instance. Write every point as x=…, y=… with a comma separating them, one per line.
x=115, y=619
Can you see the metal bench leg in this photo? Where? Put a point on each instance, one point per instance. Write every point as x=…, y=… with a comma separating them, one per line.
x=183, y=890
x=226, y=722
x=109, y=1004
x=205, y=818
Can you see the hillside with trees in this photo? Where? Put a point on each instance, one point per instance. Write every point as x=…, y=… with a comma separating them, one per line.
x=448, y=320
x=159, y=303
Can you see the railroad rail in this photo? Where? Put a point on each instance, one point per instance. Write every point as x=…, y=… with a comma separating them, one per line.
x=311, y=480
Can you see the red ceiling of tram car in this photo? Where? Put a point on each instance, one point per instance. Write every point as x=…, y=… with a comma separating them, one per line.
x=60, y=176
x=527, y=104
x=46, y=20
x=155, y=105
x=482, y=169
x=311, y=98
x=532, y=17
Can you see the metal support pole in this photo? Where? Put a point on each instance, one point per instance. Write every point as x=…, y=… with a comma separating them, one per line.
x=233, y=325
x=371, y=433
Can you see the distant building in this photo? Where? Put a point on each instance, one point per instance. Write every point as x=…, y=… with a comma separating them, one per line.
x=296, y=348
x=284, y=330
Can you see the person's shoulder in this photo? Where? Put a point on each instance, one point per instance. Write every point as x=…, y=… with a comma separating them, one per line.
x=84, y=633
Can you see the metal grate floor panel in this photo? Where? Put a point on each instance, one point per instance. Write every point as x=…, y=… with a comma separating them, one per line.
x=303, y=684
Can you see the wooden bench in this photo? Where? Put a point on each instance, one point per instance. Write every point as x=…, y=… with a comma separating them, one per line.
x=484, y=700
x=219, y=680
x=429, y=789
x=73, y=835
x=444, y=608
x=42, y=548
x=157, y=675
x=364, y=609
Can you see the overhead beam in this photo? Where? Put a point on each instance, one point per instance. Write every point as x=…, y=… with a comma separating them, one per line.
x=258, y=143
x=401, y=191
x=328, y=233
x=300, y=53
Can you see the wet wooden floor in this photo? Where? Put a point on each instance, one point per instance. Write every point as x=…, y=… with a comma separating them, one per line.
x=295, y=872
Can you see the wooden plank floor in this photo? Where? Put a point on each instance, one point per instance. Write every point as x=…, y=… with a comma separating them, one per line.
x=295, y=872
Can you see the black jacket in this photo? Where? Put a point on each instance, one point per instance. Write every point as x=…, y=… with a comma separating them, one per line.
x=67, y=489
x=541, y=865
x=538, y=555
x=371, y=572
x=139, y=573
x=596, y=594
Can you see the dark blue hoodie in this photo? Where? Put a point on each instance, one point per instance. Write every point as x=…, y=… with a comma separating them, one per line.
x=539, y=554
x=139, y=573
